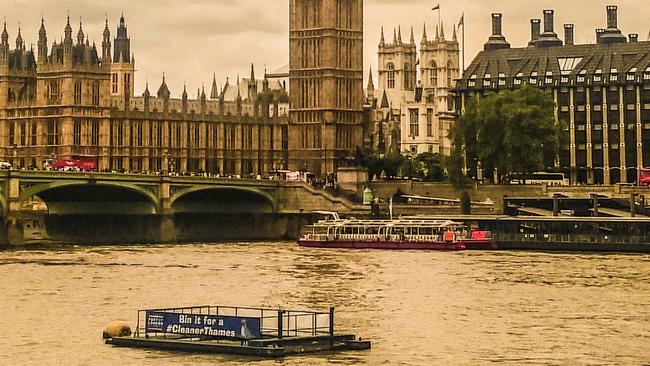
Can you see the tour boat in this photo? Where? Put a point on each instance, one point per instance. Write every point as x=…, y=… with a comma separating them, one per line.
x=395, y=234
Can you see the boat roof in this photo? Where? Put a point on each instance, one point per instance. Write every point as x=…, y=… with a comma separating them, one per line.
x=387, y=223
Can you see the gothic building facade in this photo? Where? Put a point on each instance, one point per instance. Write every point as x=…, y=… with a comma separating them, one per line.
x=71, y=99
x=414, y=93
x=601, y=93
x=326, y=83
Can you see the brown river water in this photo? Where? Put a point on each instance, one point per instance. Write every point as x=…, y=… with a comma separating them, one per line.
x=418, y=308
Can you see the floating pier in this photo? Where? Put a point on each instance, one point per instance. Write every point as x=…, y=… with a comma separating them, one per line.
x=259, y=332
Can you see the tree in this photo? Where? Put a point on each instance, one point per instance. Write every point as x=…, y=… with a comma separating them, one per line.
x=513, y=131
x=392, y=164
x=430, y=166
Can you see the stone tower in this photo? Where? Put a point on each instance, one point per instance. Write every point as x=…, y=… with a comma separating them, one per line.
x=326, y=83
x=439, y=67
x=123, y=65
x=397, y=62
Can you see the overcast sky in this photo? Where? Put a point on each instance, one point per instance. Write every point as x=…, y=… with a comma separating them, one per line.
x=191, y=39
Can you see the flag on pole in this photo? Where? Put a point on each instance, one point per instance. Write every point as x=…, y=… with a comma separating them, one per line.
x=462, y=20
x=437, y=7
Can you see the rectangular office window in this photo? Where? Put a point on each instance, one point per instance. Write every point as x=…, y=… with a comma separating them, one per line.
x=430, y=122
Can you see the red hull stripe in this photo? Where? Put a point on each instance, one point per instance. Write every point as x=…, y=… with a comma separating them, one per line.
x=381, y=245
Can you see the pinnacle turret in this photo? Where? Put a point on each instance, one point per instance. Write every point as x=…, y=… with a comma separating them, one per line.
x=214, y=93
x=399, y=34
x=424, y=33
x=381, y=38
x=19, y=40
x=80, y=35
x=42, y=43
x=442, y=31
x=5, y=36
x=68, y=31
x=412, y=41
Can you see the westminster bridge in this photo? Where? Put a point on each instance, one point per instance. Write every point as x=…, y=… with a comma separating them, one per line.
x=126, y=208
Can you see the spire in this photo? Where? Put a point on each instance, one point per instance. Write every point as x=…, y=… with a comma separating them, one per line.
x=202, y=92
x=412, y=41
x=42, y=43
x=5, y=36
x=107, y=31
x=265, y=82
x=122, y=51
x=424, y=33
x=399, y=34
x=184, y=95
x=214, y=93
x=371, y=86
x=146, y=90
x=384, y=100
x=19, y=40
x=252, y=73
x=80, y=34
x=41, y=31
x=455, y=37
x=68, y=31
x=394, y=36
x=198, y=93
x=437, y=33
x=381, y=39
x=442, y=31
x=238, y=91
x=163, y=91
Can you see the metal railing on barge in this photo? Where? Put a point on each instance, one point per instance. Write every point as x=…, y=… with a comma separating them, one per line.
x=273, y=323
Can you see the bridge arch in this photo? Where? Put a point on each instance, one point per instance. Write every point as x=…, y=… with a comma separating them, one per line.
x=90, y=197
x=223, y=199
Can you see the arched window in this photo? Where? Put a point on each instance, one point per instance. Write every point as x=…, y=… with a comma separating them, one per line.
x=450, y=68
x=391, y=75
x=433, y=74
x=407, y=77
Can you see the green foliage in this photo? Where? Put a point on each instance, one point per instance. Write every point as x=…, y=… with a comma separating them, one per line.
x=426, y=166
x=513, y=131
x=431, y=167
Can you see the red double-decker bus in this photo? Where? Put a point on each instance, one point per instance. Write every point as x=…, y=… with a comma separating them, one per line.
x=84, y=163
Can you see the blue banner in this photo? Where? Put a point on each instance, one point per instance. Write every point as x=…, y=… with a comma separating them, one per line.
x=232, y=327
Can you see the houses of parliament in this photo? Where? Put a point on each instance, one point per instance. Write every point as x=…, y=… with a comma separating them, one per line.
x=74, y=97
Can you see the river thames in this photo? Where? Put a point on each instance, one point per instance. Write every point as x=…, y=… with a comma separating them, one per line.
x=418, y=308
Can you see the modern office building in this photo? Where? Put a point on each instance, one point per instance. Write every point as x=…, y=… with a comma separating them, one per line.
x=601, y=92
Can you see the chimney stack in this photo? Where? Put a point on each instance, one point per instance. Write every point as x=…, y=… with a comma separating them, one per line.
x=612, y=17
x=634, y=38
x=535, y=31
x=549, y=37
x=568, y=34
x=496, y=41
x=599, y=34
x=496, y=24
x=548, y=21
x=612, y=34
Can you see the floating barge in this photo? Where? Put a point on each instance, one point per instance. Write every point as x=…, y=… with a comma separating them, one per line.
x=258, y=332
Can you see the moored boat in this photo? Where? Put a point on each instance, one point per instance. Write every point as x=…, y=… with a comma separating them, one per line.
x=395, y=234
